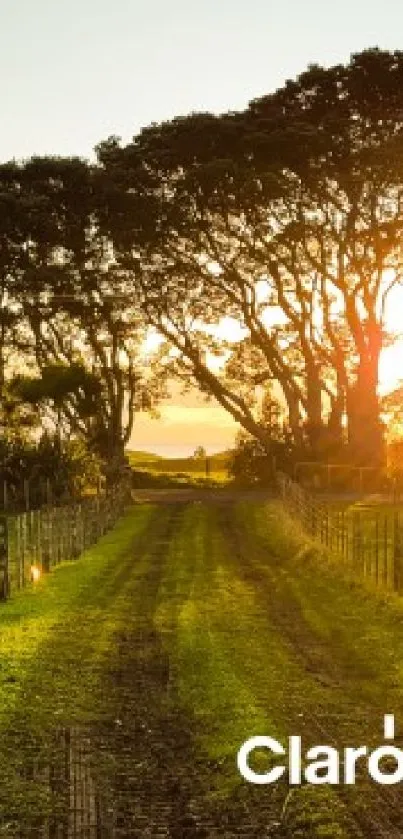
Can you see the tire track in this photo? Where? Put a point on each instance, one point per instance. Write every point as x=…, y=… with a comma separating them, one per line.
x=160, y=783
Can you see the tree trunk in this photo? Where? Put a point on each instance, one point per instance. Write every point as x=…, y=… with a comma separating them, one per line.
x=314, y=421
x=365, y=431
x=294, y=416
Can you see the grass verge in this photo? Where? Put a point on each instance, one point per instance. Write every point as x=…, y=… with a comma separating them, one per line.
x=54, y=640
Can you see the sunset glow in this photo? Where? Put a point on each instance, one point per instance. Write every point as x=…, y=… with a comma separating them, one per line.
x=391, y=365
x=185, y=420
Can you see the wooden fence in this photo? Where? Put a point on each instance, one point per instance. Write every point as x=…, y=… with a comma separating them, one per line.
x=33, y=542
x=369, y=542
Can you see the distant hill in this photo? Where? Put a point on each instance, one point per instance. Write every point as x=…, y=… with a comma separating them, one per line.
x=139, y=457
x=214, y=467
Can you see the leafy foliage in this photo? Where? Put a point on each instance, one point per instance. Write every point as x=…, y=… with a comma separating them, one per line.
x=48, y=471
x=286, y=217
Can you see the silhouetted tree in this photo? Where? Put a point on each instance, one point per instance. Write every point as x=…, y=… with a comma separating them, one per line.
x=79, y=335
x=287, y=217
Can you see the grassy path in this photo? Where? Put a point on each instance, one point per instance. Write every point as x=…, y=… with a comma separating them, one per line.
x=133, y=676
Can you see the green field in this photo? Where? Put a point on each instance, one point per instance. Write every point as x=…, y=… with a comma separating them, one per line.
x=189, y=628
x=213, y=468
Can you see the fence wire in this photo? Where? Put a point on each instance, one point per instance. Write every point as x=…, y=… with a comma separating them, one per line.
x=369, y=542
x=33, y=542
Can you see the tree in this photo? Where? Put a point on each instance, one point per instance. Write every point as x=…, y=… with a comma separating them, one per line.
x=287, y=217
x=200, y=452
x=254, y=463
x=346, y=231
x=80, y=338
x=31, y=456
x=251, y=463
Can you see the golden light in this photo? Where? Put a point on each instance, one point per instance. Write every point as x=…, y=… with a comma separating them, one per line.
x=229, y=329
x=391, y=367
x=35, y=573
x=391, y=362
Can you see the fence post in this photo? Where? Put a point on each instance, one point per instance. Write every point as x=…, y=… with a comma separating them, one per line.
x=46, y=536
x=74, y=533
x=343, y=534
x=4, y=569
x=360, y=543
x=385, y=551
x=23, y=531
x=38, y=539
x=26, y=494
x=353, y=540
x=19, y=558
x=397, y=553
x=46, y=540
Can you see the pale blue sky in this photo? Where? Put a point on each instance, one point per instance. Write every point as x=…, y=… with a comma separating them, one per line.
x=74, y=71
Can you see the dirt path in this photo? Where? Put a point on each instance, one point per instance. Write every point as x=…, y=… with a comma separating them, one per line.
x=187, y=495
x=160, y=654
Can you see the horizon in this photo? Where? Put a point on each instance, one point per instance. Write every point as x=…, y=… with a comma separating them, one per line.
x=172, y=451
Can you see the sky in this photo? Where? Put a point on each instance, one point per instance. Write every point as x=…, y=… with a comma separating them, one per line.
x=73, y=72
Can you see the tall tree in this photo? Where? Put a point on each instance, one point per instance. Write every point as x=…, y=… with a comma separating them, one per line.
x=287, y=217
x=76, y=329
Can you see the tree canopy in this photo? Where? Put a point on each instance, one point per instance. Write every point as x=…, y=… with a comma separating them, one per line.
x=285, y=217
x=63, y=314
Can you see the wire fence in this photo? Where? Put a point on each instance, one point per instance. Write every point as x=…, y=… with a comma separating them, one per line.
x=32, y=543
x=368, y=541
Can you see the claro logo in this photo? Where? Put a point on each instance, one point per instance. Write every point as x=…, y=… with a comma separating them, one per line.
x=323, y=764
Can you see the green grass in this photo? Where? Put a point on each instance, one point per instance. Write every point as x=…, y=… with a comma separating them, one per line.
x=201, y=606
x=339, y=610
x=265, y=636
x=233, y=670
x=54, y=640
x=27, y=618
x=364, y=534
x=262, y=633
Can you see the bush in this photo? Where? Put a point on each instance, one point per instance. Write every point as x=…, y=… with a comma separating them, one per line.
x=50, y=470
x=251, y=463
